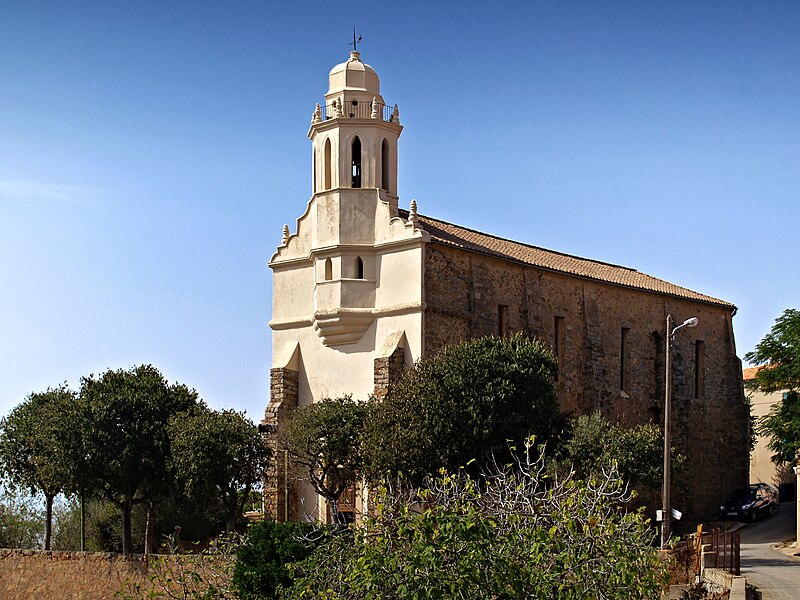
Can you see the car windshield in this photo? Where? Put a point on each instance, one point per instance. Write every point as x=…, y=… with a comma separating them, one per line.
x=743, y=494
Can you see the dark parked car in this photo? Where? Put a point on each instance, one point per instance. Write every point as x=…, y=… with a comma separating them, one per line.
x=747, y=504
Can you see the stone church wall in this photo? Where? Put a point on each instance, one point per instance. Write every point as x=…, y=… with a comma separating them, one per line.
x=610, y=344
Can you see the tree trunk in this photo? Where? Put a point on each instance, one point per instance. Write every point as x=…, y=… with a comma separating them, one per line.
x=148, y=526
x=127, y=540
x=83, y=521
x=48, y=520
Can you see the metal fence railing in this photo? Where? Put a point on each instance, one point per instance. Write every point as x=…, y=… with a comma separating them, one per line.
x=726, y=547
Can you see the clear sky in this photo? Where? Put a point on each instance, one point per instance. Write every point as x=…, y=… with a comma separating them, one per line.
x=151, y=152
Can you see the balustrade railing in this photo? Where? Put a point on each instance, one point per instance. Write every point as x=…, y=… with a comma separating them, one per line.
x=357, y=109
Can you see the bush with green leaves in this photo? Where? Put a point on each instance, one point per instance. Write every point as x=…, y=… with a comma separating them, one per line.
x=514, y=533
x=469, y=401
x=21, y=519
x=262, y=561
x=636, y=452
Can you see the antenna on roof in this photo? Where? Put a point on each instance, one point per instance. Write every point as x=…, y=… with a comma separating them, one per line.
x=355, y=41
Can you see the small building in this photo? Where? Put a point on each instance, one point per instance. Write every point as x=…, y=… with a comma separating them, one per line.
x=363, y=288
x=762, y=468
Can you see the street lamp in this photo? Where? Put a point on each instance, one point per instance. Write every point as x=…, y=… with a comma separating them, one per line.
x=797, y=515
x=665, y=506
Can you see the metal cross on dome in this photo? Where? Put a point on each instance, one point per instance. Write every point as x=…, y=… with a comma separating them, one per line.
x=355, y=41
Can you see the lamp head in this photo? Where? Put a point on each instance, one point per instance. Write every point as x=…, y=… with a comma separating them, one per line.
x=692, y=322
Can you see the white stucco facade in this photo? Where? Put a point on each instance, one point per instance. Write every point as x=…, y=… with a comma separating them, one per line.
x=350, y=276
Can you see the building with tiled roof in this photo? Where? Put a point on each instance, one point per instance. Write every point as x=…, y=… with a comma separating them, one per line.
x=762, y=467
x=362, y=289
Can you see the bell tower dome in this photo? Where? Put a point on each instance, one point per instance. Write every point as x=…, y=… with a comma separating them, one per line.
x=354, y=134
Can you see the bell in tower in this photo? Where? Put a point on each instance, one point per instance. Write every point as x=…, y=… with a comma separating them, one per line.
x=354, y=133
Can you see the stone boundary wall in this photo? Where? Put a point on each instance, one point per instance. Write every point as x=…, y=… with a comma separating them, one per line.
x=65, y=575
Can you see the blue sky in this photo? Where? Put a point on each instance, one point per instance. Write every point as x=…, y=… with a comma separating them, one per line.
x=151, y=152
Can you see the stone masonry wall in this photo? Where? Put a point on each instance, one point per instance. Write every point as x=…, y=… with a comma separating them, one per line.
x=600, y=372
x=54, y=575
x=277, y=479
x=387, y=370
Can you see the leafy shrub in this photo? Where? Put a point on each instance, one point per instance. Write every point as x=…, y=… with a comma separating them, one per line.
x=516, y=533
x=261, y=562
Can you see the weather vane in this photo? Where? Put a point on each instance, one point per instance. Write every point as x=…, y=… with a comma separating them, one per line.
x=355, y=41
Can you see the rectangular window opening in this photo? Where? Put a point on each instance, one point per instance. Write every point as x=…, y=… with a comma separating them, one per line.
x=502, y=320
x=558, y=344
x=699, y=369
x=623, y=360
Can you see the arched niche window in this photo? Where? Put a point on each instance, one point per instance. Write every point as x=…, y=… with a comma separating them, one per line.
x=359, y=268
x=314, y=177
x=385, y=165
x=328, y=164
x=356, y=168
x=328, y=269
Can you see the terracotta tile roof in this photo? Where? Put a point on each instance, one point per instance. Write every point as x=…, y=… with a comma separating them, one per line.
x=467, y=239
x=750, y=373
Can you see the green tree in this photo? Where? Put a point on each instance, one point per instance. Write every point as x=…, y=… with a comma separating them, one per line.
x=779, y=356
x=637, y=452
x=468, y=401
x=38, y=447
x=217, y=453
x=325, y=439
x=125, y=418
x=513, y=534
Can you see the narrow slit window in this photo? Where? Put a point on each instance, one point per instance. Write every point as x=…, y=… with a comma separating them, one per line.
x=328, y=269
x=558, y=344
x=699, y=369
x=502, y=320
x=356, y=166
x=359, y=268
x=328, y=164
x=385, y=165
x=623, y=359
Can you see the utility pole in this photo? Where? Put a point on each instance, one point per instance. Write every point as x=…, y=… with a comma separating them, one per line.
x=665, y=499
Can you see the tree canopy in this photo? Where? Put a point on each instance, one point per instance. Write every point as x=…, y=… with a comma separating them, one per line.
x=126, y=436
x=778, y=354
x=217, y=454
x=39, y=449
x=636, y=452
x=468, y=402
x=325, y=439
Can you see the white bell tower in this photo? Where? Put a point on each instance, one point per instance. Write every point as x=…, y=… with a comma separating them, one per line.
x=355, y=134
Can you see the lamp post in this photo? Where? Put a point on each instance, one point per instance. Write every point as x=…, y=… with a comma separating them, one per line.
x=665, y=499
x=797, y=514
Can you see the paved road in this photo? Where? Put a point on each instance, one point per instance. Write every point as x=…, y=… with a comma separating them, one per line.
x=776, y=575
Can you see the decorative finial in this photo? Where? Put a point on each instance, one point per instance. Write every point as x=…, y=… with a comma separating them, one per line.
x=285, y=237
x=412, y=213
x=355, y=41
x=395, y=115
x=375, y=109
x=337, y=108
x=317, y=115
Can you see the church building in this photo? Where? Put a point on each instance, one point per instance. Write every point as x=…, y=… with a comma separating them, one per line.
x=363, y=288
